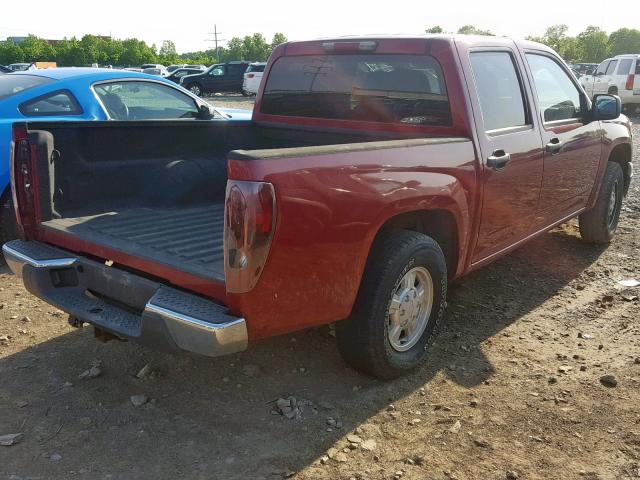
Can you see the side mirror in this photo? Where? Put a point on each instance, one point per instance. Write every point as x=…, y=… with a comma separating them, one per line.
x=205, y=112
x=606, y=107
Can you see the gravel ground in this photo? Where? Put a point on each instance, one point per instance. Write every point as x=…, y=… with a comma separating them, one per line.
x=516, y=387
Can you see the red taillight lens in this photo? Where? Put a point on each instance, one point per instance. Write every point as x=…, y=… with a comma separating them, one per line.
x=24, y=181
x=250, y=75
x=630, y=79
x=249, y=224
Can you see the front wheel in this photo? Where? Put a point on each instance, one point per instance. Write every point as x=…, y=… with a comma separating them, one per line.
x=598, y=225
x=400, y=303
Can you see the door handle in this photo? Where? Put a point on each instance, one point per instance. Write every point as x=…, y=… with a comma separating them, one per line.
x=498, y=159
x=554, y=146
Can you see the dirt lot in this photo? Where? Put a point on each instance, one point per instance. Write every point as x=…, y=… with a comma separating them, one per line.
x=512, y=389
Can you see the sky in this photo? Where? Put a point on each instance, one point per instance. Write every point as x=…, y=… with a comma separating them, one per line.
x=189, y=23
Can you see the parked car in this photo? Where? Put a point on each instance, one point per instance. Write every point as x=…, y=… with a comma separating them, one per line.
x=158, y=71
x=363, y=185
x=198, y=67
x=252, y=78
x=224, y=77
x=21, y=67
x=620, y=76
x=4, y=69
x=173, y=68
x=79, y=94
x=176, y=75
x=581, y=69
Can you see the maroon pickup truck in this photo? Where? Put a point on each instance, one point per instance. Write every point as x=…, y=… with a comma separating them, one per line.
x=374, y=172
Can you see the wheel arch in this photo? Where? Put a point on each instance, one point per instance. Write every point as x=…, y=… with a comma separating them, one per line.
x=439, y=224
x=621, y=154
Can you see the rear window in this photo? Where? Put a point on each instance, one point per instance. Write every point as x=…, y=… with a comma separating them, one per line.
x=407, y=89
x=255, y=68
x=625, y=66
x=13, y=84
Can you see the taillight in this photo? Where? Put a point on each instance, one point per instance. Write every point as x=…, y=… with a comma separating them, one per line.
x=249, y=221
x=630, y=79
x=24, y=182
x=250, y=75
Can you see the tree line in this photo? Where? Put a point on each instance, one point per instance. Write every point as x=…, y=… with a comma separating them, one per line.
x=593, y=45
x=92, y=49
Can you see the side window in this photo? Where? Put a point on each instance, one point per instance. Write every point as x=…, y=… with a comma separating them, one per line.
x=558, y=97
x=625, y=66
x=217, y=72
x=56, y=103
x=499, y=90
x=602, y=67
x=129, y=100
x=611, y=68
x=638, y=67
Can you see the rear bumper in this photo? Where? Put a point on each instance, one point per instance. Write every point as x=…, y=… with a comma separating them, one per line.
x=124, y=304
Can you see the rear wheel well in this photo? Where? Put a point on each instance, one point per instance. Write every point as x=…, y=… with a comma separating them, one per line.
x=437, y=224
x=613, y=90
x=621, y=154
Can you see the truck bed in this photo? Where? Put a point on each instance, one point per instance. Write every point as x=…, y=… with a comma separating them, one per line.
x=187, y=239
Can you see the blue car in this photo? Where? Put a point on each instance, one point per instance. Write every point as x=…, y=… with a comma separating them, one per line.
x=89, y=94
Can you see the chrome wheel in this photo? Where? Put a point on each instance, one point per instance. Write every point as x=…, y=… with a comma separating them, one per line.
x=195, y=89
x=410, y=309
x=612, y=206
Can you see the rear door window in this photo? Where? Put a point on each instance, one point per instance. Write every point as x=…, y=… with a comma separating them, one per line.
x=135, y=100
x=55, y=103
x=637, y=67
x=407, y=89
x=625, y=66
x=611, y=68
x=13, y=84
x=499, y=90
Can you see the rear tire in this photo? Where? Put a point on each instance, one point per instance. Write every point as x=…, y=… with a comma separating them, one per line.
x=246, y=94
x=391, y=324
x=598, y=225
x=613, y=91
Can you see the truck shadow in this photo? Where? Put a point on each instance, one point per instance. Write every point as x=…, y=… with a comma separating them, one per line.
x=214, y=416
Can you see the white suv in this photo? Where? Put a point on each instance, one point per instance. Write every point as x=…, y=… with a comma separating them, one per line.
x=252, y=78
x=620, y=76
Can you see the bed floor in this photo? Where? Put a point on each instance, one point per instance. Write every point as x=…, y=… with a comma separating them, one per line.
x=187, y=239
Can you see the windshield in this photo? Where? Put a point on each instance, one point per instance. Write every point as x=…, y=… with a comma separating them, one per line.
x=15, y=83
x=407, y=89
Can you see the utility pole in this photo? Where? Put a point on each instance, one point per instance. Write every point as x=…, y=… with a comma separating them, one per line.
x=215, y=39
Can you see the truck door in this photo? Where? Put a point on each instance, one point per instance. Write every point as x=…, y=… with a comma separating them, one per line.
x=572, y=142
x=511, y=149
x=603, y=81
x=215, y=79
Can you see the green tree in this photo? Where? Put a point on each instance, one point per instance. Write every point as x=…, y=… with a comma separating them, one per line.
x=434, y=29
x=10, y=53
x=471, y=30
x=278, y=39
x=235, y=49
x=624, y=40
x=594, y=44
x=36, y=49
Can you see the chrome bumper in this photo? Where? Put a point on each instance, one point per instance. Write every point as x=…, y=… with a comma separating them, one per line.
x=93, y=292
